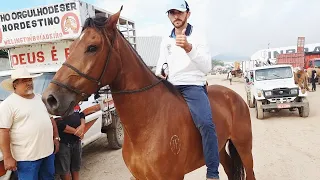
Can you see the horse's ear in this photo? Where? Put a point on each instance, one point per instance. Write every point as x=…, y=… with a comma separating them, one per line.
x=113, y=19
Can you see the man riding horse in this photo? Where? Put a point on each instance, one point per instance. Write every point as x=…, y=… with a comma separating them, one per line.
x=189, y=61
x=154, y=132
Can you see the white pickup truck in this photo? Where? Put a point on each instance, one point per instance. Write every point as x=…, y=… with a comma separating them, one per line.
x=272, y=88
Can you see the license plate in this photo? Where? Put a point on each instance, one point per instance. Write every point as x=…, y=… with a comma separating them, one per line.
x=284, y=106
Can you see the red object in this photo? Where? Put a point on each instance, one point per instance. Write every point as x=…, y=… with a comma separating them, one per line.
x=298, y=59
x=294, y=59
x=77, y=108
x=300, y=44
x=310, y=56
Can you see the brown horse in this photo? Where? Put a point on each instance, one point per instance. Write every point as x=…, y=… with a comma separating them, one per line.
x=301, y=78
x=161, y=141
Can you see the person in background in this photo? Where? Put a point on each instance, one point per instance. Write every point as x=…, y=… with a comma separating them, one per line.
x=28, y=136
x=68, y=159
x=313, y=80
x=230, y=77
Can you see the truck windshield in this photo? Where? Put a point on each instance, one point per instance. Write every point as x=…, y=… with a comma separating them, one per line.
x=273, y=73
x=40, y=84
x=317, y=63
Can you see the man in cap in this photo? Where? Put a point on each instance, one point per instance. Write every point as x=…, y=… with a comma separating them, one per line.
x=27, y=134
x=188, y=61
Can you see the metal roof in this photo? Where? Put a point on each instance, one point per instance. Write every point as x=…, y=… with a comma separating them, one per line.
x=148, y=48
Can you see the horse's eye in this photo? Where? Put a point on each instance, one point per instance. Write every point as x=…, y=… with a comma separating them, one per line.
x=92, y=48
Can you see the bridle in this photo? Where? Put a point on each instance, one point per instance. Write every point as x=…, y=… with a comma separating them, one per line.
x=99, y=80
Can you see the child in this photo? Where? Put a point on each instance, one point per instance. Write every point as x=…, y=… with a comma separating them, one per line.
x=71, y=131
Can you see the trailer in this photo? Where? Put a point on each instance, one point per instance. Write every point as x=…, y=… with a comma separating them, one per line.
x=302, y=60
x=308, y=61
x=38, y=39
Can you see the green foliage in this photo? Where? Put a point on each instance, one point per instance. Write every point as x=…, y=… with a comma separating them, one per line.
x=216, y=62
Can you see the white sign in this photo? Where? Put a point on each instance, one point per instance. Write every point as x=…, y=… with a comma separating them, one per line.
x=40, y=55
x=42, y=24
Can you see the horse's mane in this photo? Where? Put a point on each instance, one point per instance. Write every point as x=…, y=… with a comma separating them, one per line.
x=98, y=22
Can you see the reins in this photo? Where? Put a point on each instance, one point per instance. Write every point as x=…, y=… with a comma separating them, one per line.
x=99, y=80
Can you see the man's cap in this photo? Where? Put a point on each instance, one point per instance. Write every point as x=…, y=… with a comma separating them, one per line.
x=180, y=5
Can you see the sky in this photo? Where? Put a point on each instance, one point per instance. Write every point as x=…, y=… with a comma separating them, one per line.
x=239, y=27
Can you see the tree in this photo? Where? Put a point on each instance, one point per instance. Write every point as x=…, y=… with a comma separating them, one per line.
x=216, y=62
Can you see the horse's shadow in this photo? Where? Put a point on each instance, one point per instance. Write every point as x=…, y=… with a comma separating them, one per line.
x=283, y=114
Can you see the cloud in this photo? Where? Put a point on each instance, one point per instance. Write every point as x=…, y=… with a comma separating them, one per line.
x=149, y=16
x=238, y=26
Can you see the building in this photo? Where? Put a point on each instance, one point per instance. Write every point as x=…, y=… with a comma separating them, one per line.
x=148, y=48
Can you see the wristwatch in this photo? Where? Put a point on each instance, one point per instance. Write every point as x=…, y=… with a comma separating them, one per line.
x=57, y=138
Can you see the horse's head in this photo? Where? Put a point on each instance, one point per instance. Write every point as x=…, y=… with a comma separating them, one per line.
x=93, y=62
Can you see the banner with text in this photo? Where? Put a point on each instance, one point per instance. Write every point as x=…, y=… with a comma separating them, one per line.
x=41, y=24
x=40, y=55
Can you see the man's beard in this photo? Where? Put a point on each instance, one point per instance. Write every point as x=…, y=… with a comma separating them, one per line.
x=29, y=90
x=183, y=22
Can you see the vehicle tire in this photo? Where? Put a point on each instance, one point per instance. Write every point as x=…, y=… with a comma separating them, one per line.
x=304, y=110
x=259, y=110
x=115, y=133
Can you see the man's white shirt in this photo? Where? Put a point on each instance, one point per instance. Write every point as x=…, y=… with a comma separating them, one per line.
x=185, y=68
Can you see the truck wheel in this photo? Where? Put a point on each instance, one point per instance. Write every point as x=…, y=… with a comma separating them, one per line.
x=115, y=133
x=259, y=110
x=304, y=110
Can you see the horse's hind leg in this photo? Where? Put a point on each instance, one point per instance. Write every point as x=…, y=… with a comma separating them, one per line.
x=225, y=161
x=244, y=150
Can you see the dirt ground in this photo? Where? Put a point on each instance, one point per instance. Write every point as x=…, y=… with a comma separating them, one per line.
x=285, y=146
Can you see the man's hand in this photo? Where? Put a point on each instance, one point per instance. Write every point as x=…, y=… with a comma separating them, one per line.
x=163, y=77
x=81, y=137
x=80, y=131
x=56, y=146
x=181, y=40
x=10, y=164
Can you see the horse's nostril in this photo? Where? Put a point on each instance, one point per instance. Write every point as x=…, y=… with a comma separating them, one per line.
x=52, y=102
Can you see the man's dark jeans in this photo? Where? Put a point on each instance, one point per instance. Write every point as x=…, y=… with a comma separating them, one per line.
x=199, y=105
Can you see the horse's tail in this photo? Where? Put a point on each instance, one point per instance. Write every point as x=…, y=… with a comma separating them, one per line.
x=237, y=169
